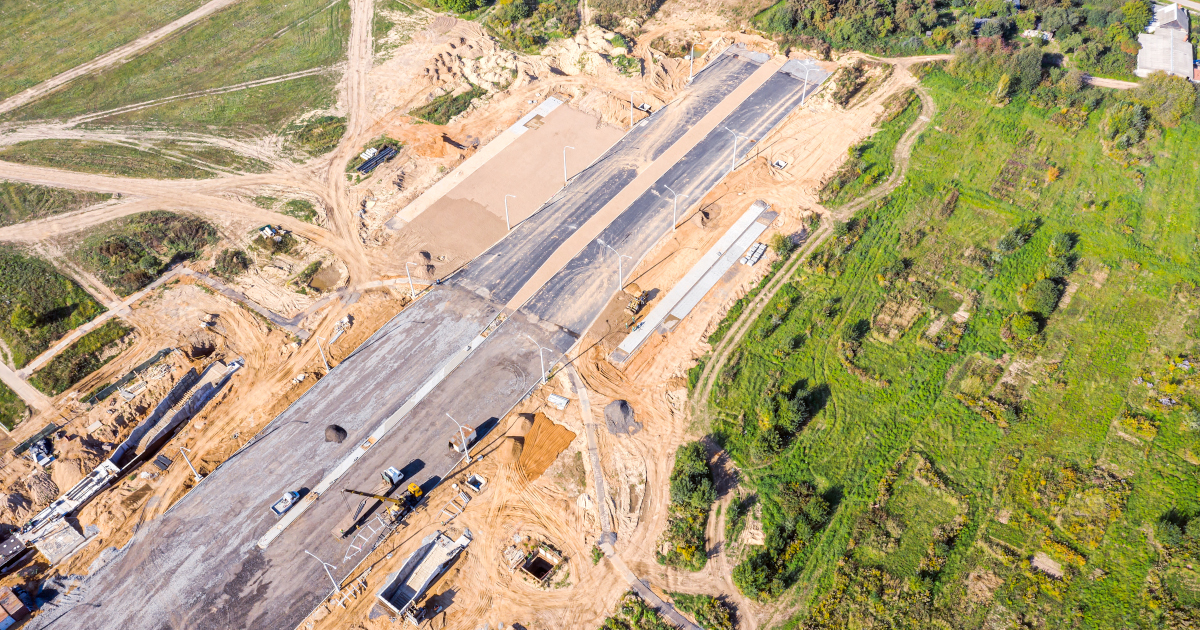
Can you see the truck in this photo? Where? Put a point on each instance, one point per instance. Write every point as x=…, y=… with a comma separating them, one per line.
x=285, y=503
x=402, y=589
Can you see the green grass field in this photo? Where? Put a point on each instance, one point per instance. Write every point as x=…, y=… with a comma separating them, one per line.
x=52, y=304
x=253, y=111
x=20, y=202
x=12, y=408
x=250, y=40
x=1027, y=436
x=41, y=40
x=169, y=160
x=81, y=358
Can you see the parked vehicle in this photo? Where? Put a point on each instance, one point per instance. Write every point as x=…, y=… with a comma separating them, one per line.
x=285, y=503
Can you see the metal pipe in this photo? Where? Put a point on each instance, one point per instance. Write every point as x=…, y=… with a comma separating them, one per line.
x=189, y=463
x=506, y=221
x=565, y=178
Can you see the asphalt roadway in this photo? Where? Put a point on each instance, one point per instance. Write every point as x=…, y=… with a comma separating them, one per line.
x=197, y=566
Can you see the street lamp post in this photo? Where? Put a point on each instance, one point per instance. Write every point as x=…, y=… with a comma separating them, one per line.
x=620, y=273
x=631, y=107
x=507, y=223
x=326, y=565
x=565, y=178
x=412, y=293
x=183, y=451
x=462, y=433
x=674, y=207
x=736, y=135
x=540, y=357
x=692, y=62
x=804, y=95
x=322, y=351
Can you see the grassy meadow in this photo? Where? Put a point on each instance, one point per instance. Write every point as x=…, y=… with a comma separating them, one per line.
x=924, y=461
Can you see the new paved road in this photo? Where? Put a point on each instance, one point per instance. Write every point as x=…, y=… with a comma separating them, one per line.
x=197, y=566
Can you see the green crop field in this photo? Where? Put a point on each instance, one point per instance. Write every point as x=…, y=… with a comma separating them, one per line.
x=250, y=40
x=169, y=160
x=1035, y=466
x=21, y=202
x=12, y=408
x=41, y=40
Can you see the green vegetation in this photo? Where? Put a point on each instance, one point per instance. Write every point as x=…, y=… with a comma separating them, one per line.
x=303, y=278
x=320, y=135
x=597, y=554
x=38, y=305
x=280, y=244
x=528, y=25
x=129, y=253
x=81, y=358
x=692, y=495
x=709, y=612
x=610, y=14
x=870, y=161
x=301, y=209
x=440, y=110
x=40, y=41
x=249, y=112
x=377, y=143
x=230, y=263
x=250, y=40
x=1021, y=468
x=633, y=614
x=21, y=202
x=12, y=408
x=168, y=161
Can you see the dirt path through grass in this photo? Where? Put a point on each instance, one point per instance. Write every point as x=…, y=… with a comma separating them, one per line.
x=113, y=57
x=720, y=354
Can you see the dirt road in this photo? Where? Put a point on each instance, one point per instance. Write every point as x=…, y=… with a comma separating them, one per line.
x=114, y=57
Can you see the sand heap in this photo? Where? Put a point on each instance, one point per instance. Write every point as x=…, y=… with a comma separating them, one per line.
x=544, y=441
x=582, y=54
x=513, y=444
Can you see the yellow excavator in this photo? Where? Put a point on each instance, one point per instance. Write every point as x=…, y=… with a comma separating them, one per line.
x=398, y=507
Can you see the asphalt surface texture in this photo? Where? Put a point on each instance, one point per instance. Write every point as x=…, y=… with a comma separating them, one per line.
x=197, y=566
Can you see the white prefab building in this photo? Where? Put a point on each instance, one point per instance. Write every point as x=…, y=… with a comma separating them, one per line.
x=1165, y=47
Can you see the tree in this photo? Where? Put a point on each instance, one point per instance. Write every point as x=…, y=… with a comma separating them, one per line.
x=1024, y=326
x=1028, y=68
x=150, y=263
x=782, y=244
x=691, y=480
x=1136, y=15
x=1168, y=98
x=23, y=318
x=1124, y=125
x=1072, y=81
x=1041, y=297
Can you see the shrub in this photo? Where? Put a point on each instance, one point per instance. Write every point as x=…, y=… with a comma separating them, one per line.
x=782, y=244
x=231, y=263
x=320, y=135
x=1124, y=125
x=440, y=110
x=692, y=494
x=80, y=359
x=125, y=254
x=22, y=317
x=1041, y=297
x=1168, y=98
x=710, y=613
x=1024, y=326
x=1061, y=245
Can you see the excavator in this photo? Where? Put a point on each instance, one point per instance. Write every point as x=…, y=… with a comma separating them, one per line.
x=398, y=507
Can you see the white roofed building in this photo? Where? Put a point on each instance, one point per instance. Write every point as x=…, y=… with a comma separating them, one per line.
x=1165, y=47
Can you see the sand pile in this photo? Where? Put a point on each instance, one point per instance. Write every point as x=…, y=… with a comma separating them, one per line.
x=509, y=452
x=582, y=54
x=543, y=443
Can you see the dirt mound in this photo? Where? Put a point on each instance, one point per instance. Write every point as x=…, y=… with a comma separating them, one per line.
x=521, y=427
x=42, y=488
x=510, y=450
x=543, y=443
x=619, y=418
x=334, y=433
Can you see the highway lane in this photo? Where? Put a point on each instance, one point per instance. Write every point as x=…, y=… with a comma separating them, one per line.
x=197, y=565
x=501, y=271
x=637, y=229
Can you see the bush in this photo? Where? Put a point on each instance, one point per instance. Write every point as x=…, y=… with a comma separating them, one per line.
x=710, y=613
x=1024, y=326
x=230, y=264
x=440, y=110
x=23, y=318
x=1124, y=125
x=1168, y=98
x=1041, y=297
x=691, y=480
x=782, y=244
x=320, y=135
x=692, y=495
x=125, y=254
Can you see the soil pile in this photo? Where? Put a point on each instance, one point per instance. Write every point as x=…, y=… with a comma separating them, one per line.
x=334, y=433
x=619, y=418
x=510, y=450
x=543, y=443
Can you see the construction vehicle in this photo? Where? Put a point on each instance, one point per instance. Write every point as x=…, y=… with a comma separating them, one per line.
x=398, y=507
x=637, y=299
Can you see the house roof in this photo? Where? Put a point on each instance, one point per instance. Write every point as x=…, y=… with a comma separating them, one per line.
x=1169, y=16
x=1167, y=50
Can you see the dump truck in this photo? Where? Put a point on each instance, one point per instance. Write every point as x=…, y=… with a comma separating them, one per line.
x=402, y=589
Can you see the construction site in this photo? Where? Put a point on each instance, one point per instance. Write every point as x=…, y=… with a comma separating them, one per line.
x=465, y=416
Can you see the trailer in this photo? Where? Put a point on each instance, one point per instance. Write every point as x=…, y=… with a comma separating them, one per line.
x=404, y=587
